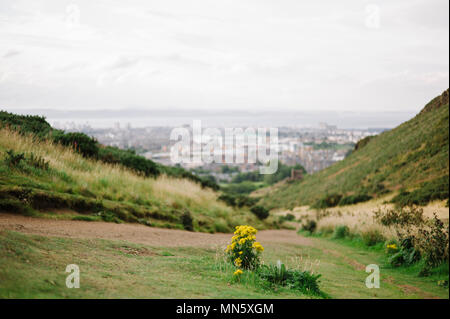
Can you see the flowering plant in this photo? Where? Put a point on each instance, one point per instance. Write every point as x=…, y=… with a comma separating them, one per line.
x=244, y=251
x=391, y=248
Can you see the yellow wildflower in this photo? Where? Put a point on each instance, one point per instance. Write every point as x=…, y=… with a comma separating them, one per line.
x=258, y=246
x=392, y=246
x=238, y=272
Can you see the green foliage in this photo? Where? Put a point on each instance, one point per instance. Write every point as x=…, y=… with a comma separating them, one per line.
x=354, y=199
x=237, y=200
x=363, y=142
x=187, y=221
x=419, y=235
x=23, y=161
x=283, y=172
x=330, y=200
x=432, y=242
x=38, y=162
x=244, y=251
x=245, y=187
x=415, y=151
x=128, y=158
x=288, y=217
x=428, y=191
x=260, y=211
x=89, y=147
x=341, y=231
x=310, y=226
x=13, y=159
x=371, y=237
x=280, y=276
x=406, y=255
x=82, y=143
x=25, y=124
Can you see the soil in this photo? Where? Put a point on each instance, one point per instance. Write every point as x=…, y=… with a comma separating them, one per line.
x=135, y=233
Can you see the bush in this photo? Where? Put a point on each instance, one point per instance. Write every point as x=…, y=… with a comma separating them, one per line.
x=419, y=236
x=406, y=255
x=436, y=189
x=331, y=200
x=14, y=159
x=37, y=162
x=244, y=251
x=279, y=275
x=187, y=221
x=85, y=145
x=260, y=211
x=372, y=237
x=288, y=217
x=237, y=200
x=310, y=226
x=221, y=226
x=432, y=242
x=341, y=232
x=354, y=199
x=24, y=124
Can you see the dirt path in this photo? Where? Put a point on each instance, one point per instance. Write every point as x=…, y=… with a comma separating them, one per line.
x=135, y=233
x=160, y=237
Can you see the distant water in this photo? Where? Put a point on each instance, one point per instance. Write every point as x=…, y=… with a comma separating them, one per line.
x=350, y=120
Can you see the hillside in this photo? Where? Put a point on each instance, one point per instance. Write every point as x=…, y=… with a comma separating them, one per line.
x=412, y=158
x=42, y=176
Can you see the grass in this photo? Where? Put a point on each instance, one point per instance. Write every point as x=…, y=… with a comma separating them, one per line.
x=34, y=267
x=413, y=153
x=112, y=192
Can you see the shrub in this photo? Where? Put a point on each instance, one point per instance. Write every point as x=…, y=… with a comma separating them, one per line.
x=230, y=200
x=260, y=211
x=36, y=125
x=37, y=162
x=428, y=191
x=221, y=226
x=419, y=236
x=371, y=237
x=406, y=255
x=392, y=247
x=247, y=201
x=15, y=206
x=432, y=242
x=244, y=251
x=279, y=275
x=310, y=226
x=187, y=220
x=288, y=217
x=401, y=219
x=331, y=200
x=237, y=200
x=354, y=199
x=82, y=143
x=14, y=159
x=341, y=231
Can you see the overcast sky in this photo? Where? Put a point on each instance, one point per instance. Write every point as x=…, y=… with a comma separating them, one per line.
x=348, y=55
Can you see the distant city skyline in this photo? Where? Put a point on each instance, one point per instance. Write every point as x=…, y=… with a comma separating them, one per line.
x=173, y=118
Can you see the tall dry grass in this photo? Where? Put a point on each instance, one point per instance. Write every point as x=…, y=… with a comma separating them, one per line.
x=114, y=182
x=359, y=218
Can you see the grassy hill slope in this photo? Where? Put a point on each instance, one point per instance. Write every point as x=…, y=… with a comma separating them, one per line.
x=44, y=178
x=413, y=156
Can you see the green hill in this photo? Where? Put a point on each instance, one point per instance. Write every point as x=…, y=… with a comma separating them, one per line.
x=50, y=173
x=412, y=158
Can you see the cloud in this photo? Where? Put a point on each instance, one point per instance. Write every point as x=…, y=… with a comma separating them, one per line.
x=238, y=54
x=11, y=53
